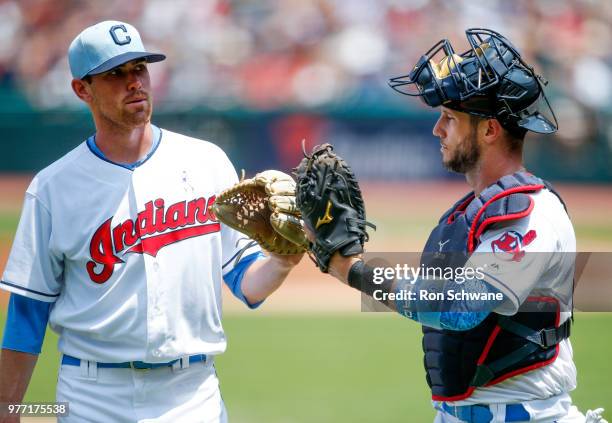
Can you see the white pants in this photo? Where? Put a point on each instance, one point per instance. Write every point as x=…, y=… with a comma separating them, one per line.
x=558, y=409
x=165, y=394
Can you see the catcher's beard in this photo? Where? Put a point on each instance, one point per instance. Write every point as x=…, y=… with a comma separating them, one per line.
x=466, y=155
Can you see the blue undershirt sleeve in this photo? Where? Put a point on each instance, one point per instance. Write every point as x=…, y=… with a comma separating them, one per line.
x=459, y=314
x=26, y=323
x=233, y=279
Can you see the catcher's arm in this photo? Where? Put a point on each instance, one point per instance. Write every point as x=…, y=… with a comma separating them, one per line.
x=334, y=214
x=456, y=314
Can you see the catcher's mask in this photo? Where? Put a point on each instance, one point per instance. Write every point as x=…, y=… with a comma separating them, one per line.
x=489, y=80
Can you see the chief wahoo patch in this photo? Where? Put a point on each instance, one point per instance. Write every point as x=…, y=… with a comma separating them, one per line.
x=509, y=246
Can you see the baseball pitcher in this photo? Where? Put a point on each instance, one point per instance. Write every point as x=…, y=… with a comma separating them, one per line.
x=118, y=250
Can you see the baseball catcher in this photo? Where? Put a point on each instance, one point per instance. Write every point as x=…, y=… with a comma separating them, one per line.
x=505, y=356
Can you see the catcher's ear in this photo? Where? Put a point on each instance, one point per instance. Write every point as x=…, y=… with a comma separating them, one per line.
x=490, y=130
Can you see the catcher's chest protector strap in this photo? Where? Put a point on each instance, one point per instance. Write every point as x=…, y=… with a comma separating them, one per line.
x=457, y=362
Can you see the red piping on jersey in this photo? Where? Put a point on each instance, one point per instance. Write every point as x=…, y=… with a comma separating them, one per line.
x=460, y=208
x=516, y=372
x=153, y=244
x=495, y=219
x=524, y=188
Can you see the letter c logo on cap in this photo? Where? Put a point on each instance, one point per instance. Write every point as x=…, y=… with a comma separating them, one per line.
x=125, y=38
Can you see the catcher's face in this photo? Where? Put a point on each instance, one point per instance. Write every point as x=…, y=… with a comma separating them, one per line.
x=122, y=96
x=458, y=140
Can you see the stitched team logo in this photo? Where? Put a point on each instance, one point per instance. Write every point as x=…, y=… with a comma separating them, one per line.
x=153, y=229
x=510, y=245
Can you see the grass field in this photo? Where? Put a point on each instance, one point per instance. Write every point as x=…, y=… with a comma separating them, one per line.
x=351, y=368
x=315, y=366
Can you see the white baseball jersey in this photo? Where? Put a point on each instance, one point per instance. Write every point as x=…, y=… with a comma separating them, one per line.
x=132, y=258
x=549, y=246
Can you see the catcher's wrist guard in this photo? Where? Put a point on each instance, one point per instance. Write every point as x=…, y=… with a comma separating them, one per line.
x=361, y=277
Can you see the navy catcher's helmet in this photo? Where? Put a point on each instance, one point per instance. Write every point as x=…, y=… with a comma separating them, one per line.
x=489, y=80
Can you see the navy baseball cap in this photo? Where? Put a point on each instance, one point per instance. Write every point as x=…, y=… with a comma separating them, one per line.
x=104, y=46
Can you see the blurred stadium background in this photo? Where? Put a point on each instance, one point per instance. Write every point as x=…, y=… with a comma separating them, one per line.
x=258, y=77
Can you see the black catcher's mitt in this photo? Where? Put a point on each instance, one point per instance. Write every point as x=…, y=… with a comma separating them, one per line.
x=331, y=205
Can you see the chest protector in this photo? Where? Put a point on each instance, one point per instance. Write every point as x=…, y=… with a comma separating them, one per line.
x=457, y=362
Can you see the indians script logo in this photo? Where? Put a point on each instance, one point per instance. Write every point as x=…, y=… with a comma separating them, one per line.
x=154, y=228
x=510, y=245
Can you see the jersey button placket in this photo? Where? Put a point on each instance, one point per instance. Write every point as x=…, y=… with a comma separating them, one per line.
x=158, y=325
x=157, y=328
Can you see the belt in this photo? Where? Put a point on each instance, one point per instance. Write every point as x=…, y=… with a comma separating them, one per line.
x=138, y=365
x=480, y=413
